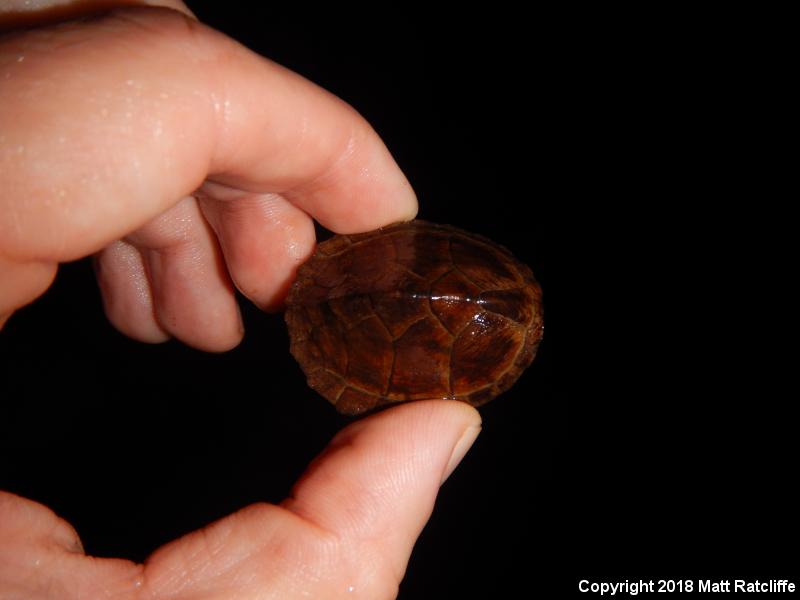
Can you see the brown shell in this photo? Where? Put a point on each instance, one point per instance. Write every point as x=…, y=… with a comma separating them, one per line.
x=410, y=312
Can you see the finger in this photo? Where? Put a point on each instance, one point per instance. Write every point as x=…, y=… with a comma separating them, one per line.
x=350, y=525
x=126, y=292
x=22, y=519
x=264, y=239
x=41, y=556
x=21, y=283
x=192, y=296
x=108, y=122
x=376, y=484
x=15, y=14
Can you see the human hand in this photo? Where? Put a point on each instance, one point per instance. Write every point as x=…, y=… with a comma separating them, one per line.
x=346, y=531
x=186, y=162
x=107, y=128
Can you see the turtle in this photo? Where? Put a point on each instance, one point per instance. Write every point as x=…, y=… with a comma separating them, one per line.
x=412, y=311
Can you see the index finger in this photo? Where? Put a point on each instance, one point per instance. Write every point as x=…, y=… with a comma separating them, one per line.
x=106, y=123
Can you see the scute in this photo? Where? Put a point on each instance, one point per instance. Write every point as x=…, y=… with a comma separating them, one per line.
x=412, y=311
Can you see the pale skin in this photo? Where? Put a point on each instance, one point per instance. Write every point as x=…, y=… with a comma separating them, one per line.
x=190, y=167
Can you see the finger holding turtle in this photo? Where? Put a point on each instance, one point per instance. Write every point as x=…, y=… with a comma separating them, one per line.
x=189, y=107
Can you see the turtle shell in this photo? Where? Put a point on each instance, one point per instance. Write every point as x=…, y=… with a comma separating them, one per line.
x=413, y=311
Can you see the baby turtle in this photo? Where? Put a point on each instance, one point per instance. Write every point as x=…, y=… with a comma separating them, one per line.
x=413, y=311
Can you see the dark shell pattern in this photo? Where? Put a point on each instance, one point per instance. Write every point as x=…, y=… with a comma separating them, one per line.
x=413, y=311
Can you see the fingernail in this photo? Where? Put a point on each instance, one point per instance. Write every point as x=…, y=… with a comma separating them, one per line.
x=241, y=319
x=463, y=444
x=78, y=546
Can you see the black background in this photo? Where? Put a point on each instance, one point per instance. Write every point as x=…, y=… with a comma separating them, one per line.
x=622, y=452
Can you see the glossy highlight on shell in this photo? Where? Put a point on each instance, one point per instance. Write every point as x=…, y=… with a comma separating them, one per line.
x=413, y=311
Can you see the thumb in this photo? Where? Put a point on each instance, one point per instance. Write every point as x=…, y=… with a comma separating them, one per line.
x=376, y=484
x=349, y=526
x=346, y=532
